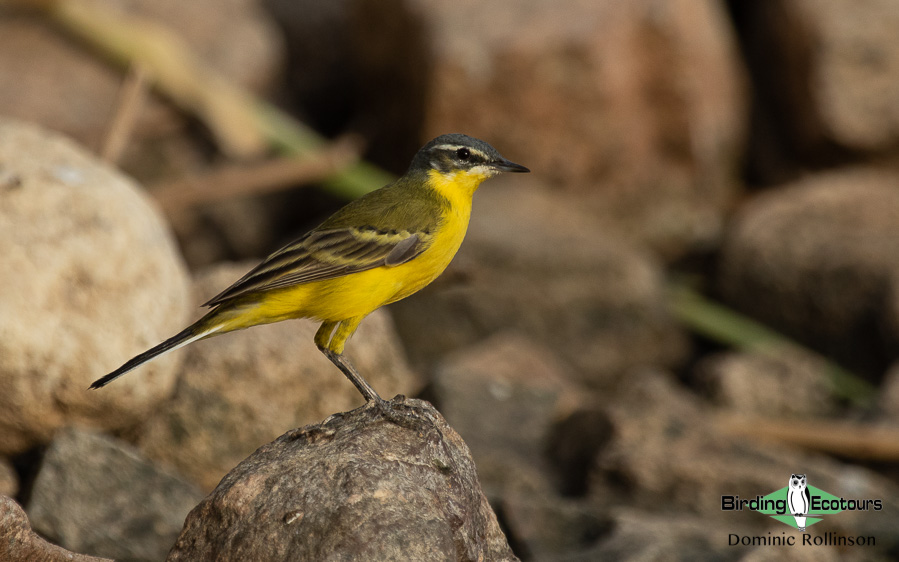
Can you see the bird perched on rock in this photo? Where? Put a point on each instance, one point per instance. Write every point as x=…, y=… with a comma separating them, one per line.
x=376, y=250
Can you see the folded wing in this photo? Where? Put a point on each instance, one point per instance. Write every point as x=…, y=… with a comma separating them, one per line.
x=326, y=254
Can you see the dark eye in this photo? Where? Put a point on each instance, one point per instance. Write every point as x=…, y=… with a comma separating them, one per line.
x=463, y=154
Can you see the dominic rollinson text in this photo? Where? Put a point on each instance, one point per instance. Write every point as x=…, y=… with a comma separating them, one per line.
x=783, y=539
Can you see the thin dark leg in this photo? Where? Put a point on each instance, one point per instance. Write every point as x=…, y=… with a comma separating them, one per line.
x=347, y=369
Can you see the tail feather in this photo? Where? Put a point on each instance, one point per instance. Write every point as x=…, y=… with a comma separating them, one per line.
x=189, y=335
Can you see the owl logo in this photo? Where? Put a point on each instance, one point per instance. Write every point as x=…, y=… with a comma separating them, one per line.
x=798, y=498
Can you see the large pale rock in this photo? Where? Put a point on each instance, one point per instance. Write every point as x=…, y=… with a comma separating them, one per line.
x=817, y=259
x=356, y=487
x=19, y=543
x=97, y=495
x=242, y=389
x=90, y=277
x=537, y=263
x=638, y=106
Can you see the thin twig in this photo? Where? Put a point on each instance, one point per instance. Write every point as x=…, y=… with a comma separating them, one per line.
x=848, y=440
x=231, y=181
x=131, y=99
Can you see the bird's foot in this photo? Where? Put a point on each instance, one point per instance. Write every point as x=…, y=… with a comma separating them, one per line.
x=396, y=411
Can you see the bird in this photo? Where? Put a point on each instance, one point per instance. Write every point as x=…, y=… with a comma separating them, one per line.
x=799, y=499
x=376, y=250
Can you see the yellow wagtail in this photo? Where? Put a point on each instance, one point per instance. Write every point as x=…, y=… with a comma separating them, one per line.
x=374, y=251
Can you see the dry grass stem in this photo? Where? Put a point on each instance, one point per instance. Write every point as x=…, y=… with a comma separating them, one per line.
x=131, y=100
x=229, y=181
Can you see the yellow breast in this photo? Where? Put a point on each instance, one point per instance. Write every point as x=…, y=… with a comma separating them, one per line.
x=458, y=189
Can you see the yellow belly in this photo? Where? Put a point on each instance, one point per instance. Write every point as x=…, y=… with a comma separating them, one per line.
x=357, y=294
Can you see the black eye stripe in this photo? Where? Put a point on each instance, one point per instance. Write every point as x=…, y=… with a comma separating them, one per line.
x=449, y=157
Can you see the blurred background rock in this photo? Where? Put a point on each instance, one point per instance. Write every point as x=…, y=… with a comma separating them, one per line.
x=746, y=151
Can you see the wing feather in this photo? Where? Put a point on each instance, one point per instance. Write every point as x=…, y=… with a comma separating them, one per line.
x=327, y=254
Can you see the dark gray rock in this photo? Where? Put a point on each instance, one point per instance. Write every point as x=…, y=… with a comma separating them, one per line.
x=20, y=544
x=97, y=495
x=356, y=487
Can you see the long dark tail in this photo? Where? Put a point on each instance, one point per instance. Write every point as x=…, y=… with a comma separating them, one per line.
x=188, y=335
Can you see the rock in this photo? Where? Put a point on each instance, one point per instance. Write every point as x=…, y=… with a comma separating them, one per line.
x=240, y=390
x=888, y=397
x=786, y=133
x=652, y=536
x=536, y=263
x=91, y=278
x=546, y=527
x=357, y=487
x=855, y=71
x=9, y=480
x=823, y=76
x=815, y=260
x=98, y=495
x=574, y=444
x=664, y=450
x=19, y=543
x=234, y=37
x=503, y=397
x=636, y=106
x=791, y=383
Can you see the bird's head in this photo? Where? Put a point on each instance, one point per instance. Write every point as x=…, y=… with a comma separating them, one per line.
x=460, y=162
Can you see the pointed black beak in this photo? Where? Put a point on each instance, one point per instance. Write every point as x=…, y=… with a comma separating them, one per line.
x=506, y=166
